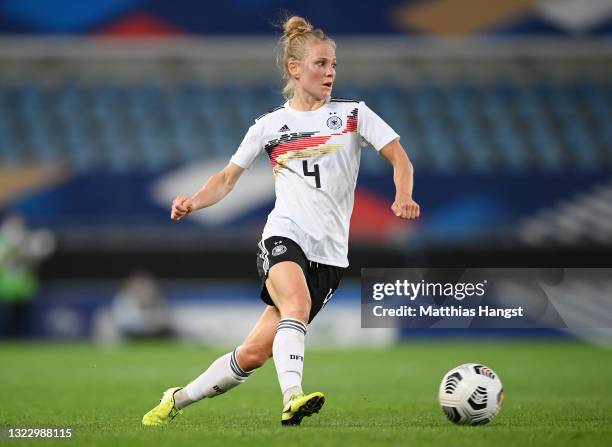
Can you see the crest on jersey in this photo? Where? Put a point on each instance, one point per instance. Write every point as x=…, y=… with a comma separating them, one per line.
x=279, y=250
x=334, y=122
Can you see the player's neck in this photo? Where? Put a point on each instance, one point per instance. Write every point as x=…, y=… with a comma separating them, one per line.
x=306, y=103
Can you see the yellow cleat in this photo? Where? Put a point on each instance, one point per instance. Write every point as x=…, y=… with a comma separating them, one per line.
x=164, y=412
x=301, y=406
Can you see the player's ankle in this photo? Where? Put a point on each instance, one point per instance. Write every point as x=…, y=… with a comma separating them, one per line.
x=290, y=392
x=182, y=399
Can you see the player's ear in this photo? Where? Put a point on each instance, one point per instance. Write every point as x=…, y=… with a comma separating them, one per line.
x=293, y=66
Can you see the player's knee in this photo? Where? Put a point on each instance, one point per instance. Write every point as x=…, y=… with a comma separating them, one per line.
x=298, y=309
x=253, y=356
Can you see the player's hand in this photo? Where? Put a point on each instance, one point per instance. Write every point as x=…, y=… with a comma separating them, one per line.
x=181, y=207
x=406, y=208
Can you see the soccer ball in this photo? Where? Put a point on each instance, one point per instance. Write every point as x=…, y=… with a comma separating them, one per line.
x=471, y=394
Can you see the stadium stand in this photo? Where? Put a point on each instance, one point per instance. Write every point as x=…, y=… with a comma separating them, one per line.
x=503, y=126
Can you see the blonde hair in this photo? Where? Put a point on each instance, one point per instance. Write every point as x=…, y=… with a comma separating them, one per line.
x=298, y=33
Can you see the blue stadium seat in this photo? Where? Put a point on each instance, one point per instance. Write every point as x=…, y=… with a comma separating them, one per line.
x=511, y=147
x=427, y=99
x=581, y=145
x=439, y=144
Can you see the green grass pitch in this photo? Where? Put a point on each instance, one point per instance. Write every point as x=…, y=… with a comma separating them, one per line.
x=557, y=393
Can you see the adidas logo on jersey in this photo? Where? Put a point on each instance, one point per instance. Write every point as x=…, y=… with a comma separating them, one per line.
x=285, y=128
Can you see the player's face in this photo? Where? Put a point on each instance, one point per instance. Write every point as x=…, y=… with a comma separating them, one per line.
x=317, y=70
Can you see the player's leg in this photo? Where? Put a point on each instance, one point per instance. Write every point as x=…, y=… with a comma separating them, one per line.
x=234, y=368
x=225, y=373
x=257, y=346
x=288, y=289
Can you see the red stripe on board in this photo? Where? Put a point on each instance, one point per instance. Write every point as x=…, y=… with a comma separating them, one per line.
x=140, y=24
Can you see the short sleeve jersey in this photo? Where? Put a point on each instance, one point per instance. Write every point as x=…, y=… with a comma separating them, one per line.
x=315, y=158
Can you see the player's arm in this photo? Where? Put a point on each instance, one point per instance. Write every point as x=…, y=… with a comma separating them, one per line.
x=403, y=176
x=215, y=189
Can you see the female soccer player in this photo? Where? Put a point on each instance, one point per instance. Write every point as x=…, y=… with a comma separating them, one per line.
x=313, y=142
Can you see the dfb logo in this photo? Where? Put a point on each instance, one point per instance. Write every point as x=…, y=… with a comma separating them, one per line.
x=218, y=389
x=279, y=250
x=296, y=357
x=334, y=122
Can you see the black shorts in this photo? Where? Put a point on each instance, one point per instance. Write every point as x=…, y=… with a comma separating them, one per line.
x=322, y=279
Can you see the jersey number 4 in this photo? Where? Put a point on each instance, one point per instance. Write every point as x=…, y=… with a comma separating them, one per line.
x=314, y=173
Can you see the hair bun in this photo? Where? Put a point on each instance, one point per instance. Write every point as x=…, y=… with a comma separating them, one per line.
x=296, y=25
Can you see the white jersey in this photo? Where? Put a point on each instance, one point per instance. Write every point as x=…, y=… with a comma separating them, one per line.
x=315, y=158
